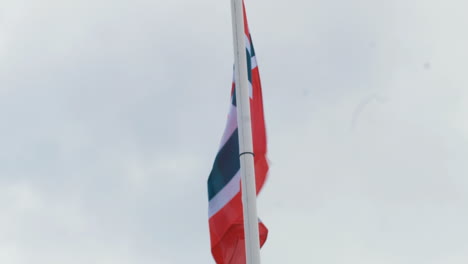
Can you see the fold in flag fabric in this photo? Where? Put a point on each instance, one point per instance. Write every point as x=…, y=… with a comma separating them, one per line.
x=224, y=188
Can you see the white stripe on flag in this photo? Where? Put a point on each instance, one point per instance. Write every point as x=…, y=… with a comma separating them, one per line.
x=231, y=125
x=225, y=195
x=254, y=62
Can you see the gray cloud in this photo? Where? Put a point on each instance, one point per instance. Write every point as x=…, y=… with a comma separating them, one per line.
x=111, y=113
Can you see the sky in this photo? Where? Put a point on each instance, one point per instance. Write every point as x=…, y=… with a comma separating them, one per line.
x=111, y=113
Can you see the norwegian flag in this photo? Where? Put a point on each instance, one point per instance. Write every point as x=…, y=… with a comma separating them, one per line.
x=224, y=189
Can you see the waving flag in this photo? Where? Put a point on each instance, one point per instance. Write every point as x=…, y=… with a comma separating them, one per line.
x=224, y=188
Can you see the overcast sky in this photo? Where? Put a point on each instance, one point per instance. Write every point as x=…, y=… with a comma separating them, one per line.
x=111, y=113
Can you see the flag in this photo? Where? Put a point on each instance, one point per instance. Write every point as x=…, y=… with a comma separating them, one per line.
x=224, y=189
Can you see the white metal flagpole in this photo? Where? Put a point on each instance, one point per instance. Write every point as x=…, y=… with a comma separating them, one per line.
x=249, y=197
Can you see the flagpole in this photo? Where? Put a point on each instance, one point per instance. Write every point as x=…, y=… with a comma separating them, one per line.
x=249, y=197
